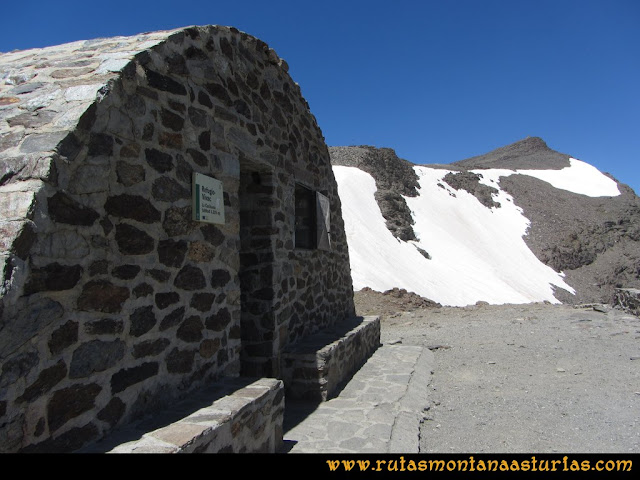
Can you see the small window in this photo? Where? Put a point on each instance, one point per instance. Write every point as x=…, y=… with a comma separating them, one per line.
x=305, y=234
x=312, y=219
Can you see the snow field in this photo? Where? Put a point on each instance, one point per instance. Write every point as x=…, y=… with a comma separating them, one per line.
x=477, y=253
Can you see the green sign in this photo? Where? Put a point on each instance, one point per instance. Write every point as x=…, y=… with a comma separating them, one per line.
x=208, y=201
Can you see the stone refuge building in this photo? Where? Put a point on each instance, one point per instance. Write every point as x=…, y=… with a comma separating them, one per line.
x=115, y=298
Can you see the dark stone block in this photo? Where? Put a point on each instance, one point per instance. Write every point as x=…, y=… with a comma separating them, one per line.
x=53, y=277
x=198, y=157
x=194, y=53
x=113, y=412
x=202, y=301
x=204, y=99
x=48, y=378
x=132, y=241
x=171, y=253
x=171, y=120
x=63, y=209
x=126, y=272
x=190, y=278
x=69, y=147
x=232, y=87
x=163, y=300
x=88, y=118
x=102, y=296
x=100, y=144
x=252, y=81
x=95, y=356
x=218, y=321
x=105, y=326
x=70, y=402
x=134, y=207
x=218, y=91
x=191, y=329
x=176, y=64
x=3, y=408
x=159, y=161
x=130, y=376
x=142, y=320
x=198, y=117
x=164, y=83
x=173, y=319
x=212, y=234
x=159, y=275
x=63, y=337
x=142, y=290
x=226, y=48
x=169, y=190
x=204, y=140
x=150, y=348
x=180, y=361
x=219, y=278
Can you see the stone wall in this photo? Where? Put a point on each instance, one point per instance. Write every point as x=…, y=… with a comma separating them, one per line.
x=628, y=299
x=114, y=301
x=318, y=366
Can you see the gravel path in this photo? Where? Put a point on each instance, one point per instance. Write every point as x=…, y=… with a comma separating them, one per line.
x=527, y=378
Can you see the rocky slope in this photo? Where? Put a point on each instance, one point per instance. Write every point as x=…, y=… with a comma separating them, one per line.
x=594, y=241
x=394, y=177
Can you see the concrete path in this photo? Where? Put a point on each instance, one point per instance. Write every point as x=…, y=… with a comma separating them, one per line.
x=378, y=411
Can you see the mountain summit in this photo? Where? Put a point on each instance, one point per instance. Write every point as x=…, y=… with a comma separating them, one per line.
x=529, y=153
x=520, y=224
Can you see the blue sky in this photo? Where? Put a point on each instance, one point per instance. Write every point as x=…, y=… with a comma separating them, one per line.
x=438, y=81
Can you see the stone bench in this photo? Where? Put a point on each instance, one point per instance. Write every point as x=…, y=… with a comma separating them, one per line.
x=317, y=366
x=235, y=415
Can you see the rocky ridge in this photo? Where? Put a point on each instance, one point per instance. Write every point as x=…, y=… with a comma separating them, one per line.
x=394, y=178
x=594, y=241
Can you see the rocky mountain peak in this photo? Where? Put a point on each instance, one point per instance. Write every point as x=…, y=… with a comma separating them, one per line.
x=526, y=154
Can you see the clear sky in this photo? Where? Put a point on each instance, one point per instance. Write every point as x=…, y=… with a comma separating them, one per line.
x=438, y=81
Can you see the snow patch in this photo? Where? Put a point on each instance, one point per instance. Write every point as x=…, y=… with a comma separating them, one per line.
x=477, y=253
x=579, y=177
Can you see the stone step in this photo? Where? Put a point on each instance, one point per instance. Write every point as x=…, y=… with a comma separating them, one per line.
x=235, y=415
x=317, y=366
